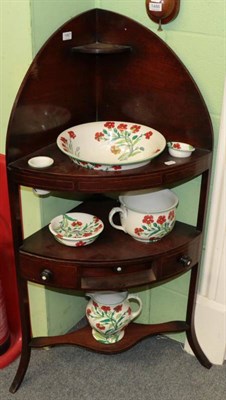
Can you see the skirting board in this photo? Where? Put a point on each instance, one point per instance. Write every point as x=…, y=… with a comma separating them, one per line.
x=210, y=324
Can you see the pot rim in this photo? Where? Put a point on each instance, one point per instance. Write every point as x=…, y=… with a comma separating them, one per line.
x=153, y=195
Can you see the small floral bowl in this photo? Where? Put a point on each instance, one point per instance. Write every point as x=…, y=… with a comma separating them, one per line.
x=111, y=145
x=76, y=229
x=181, y=150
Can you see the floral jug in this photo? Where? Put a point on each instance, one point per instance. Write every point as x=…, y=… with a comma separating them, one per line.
x=109, y=313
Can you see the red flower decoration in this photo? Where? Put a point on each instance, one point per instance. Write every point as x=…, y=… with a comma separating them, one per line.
x=63, y=139
x=161, y=219
x=176, y=145
x=95, y=304
x=138, y=231
x=118, y=308
x=80, y=243
x=109, y=124
x=122, y=127
x=129, y=311
x=171, y=215
x=71, y=134
x=87, y=234
x=88, y=311
x=76, y=223
x=115, y=167
x=98, y=228
x=148, y=219
x=148, y=134
x=101, y=327
x=98, y=136
x=135, y=128
x=106, y=308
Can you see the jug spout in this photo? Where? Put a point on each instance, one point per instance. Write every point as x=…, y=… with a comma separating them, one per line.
x=91, y=295
x=107, y=297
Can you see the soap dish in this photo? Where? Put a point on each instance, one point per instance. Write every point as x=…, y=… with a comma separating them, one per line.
x=40, y=162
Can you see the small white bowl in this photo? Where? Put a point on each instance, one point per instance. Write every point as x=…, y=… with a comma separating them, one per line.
x=41, y=192
x=76, y=229
x=179, y=149
x=40, y=162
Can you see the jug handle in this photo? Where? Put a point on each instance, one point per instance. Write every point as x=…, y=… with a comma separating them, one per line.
x=110, y=217
x=135, y=314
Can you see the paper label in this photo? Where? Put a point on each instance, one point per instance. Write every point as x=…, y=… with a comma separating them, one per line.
x=155, y=7
x=66, y=36
x=170, y=162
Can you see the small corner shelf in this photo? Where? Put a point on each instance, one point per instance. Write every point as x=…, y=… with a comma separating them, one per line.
x=101, y=48
x=135, y=333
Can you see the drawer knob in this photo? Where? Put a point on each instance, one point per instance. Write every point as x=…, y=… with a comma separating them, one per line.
x=46, y=275
x=118, y=269
x=186, y=261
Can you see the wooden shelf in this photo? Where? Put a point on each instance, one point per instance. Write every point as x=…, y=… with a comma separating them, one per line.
x=101, y=48
x=134, y=334
x=94, y=267
x=66, y=175
x=103, y=250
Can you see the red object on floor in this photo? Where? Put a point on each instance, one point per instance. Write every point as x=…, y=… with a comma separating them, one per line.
x=8, y=273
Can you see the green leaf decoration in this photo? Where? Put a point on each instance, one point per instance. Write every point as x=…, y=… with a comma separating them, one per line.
x=106, y=320
x=69, y=218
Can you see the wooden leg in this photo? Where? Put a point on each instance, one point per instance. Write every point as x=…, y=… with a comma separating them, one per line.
x=191, y=334
x=22, y=368
x=194, y=344
x=26, y=336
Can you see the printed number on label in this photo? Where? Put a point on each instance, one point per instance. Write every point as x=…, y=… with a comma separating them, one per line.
x=155, y=7
x=66, y=36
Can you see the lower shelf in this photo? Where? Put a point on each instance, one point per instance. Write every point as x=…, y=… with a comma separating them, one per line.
x=134, y=333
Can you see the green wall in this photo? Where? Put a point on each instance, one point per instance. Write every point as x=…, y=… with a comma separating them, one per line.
x=197, y=36
x=47, y=16
x=15, y=45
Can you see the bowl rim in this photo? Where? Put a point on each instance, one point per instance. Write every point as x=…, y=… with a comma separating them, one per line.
x=47, y=162
x=164, y=191
x=118, y=162
x=54, y=233
x=170, y=146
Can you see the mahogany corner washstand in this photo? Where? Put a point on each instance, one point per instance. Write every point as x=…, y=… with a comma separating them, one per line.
x=112, y=69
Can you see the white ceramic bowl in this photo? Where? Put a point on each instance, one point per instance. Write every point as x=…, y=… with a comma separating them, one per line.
x=76, y=229
x=41, y=192
x=146, y=216
x=179, y=149
x=40, y=162
x=111, y=145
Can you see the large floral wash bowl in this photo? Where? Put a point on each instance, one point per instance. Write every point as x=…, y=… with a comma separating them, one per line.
x=111, y=145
